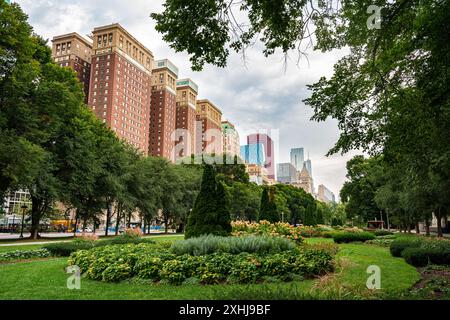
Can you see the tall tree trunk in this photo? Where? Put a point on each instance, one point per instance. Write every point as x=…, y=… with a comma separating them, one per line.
x=417, y=228
x=36, y=205
x=76, y=224
x=427, y=227
x=439, y=223
x=118, y=219
x=129, y=220
x=108, y=217
x=166, y=227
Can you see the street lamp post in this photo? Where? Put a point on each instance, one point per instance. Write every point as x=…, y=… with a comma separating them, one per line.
x=24, y=207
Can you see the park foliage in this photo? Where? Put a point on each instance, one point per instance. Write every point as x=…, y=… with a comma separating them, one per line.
x=157, y=263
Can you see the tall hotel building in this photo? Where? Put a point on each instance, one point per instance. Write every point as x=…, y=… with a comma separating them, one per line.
x=209, y=138
x=74, y=51
x=187, y=92
x=163, y=109
x=120, y=85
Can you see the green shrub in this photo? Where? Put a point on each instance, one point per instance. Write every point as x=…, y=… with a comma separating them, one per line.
x=245, y=270
x=400, y=244
x=235, y=245
x=23, y=254
x=313, y=263
x=422, y=256
x=419, y=251
x=64, y=249
x=346, y=237
x=380, y=242
x=116, y=272
x=382, y=232
x=151, y=262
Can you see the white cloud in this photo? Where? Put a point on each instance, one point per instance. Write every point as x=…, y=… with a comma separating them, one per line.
x=253, y=95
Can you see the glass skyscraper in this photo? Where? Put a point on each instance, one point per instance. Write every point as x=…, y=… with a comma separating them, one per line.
x=253, y=154
x=297, y=158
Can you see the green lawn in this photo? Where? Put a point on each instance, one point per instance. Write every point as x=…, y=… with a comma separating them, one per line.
x=46, y=279
x=20, y=247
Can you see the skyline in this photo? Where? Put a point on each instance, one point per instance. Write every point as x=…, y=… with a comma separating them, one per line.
x=251, y=97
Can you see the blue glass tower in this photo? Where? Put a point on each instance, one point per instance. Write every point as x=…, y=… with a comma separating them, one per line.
x=253, y=154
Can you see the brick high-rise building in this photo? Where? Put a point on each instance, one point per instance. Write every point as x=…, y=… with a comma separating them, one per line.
x=209, y=117
x=187, y=92
x=74, y=51
x=120, y=85
x=163, y=110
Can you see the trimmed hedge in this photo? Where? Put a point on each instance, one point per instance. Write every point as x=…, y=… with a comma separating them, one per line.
x=65, y=249
x=158, y=264
x=420, y=252
x=400, y=244
x=346, y=237
x=420, y=257
x=23, y=254
x=234, y=245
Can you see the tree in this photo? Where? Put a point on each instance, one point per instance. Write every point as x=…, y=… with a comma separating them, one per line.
x=223, y=210
x=310, y=215
x=215, y=28
x=268, y=208
x=389, y=95
x=204, y=218
x=358, y=193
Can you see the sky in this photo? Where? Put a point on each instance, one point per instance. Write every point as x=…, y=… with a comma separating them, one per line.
x=257, y=94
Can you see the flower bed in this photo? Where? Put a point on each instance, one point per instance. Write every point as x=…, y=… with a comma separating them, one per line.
x=154, y=262
x=279, y=229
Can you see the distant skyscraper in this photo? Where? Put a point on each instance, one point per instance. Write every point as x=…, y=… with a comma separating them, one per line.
x=253, y=154
x=325, y=195
x=308, y=165
x=297, y=158
x=269, y=151
x=286, y=173
x=304, y=180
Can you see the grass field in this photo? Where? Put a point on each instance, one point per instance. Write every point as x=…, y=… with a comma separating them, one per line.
x=46, y=279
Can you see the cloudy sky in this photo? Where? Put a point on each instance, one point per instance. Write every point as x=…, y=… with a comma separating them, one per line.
x=256, y=95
